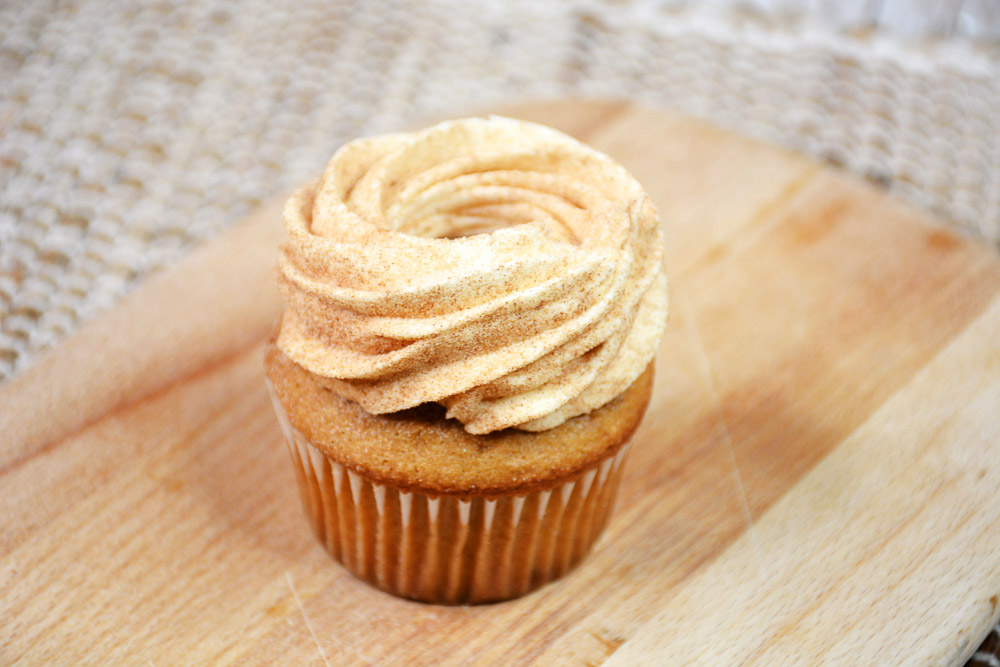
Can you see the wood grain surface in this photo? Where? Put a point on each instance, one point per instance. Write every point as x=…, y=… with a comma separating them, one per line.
x=815, y=481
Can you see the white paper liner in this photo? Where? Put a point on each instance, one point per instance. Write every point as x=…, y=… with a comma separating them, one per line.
x=449, y=549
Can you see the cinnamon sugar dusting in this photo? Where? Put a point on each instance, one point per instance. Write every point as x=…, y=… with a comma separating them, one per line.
x=494, y=266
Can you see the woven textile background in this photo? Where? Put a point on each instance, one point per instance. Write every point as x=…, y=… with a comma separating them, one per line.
x=131, y=130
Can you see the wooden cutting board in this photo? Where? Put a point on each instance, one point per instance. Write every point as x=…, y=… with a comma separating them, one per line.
x=816, y=479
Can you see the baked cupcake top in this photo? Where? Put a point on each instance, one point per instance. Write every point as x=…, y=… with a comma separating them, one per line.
x=498, y=267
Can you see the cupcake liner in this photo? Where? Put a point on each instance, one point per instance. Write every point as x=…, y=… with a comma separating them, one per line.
x=450, y=549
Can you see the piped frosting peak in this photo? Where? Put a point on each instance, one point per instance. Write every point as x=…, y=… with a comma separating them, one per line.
x=498, y=267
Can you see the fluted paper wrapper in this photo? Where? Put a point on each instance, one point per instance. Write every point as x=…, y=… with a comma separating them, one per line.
x=451, y=549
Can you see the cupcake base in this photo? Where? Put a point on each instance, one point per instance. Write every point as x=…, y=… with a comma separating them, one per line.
x=451, y=549
x=417, y=506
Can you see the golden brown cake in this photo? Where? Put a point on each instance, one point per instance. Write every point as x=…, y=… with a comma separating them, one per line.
x=447, y=516
x=467, y=349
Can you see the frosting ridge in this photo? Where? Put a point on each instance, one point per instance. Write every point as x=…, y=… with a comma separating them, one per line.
x=495, y=266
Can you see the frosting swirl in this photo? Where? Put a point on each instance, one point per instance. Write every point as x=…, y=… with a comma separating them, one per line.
x=495, y=266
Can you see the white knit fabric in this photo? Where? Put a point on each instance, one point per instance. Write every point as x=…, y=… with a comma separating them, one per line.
x=131, y=130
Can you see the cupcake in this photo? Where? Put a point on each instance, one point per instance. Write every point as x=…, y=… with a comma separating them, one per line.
x=472, y=313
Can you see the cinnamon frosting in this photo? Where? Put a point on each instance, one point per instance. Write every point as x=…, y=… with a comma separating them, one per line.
x=498, y=267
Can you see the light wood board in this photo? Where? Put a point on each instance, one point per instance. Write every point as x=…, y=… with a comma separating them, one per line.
x=816, y=480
